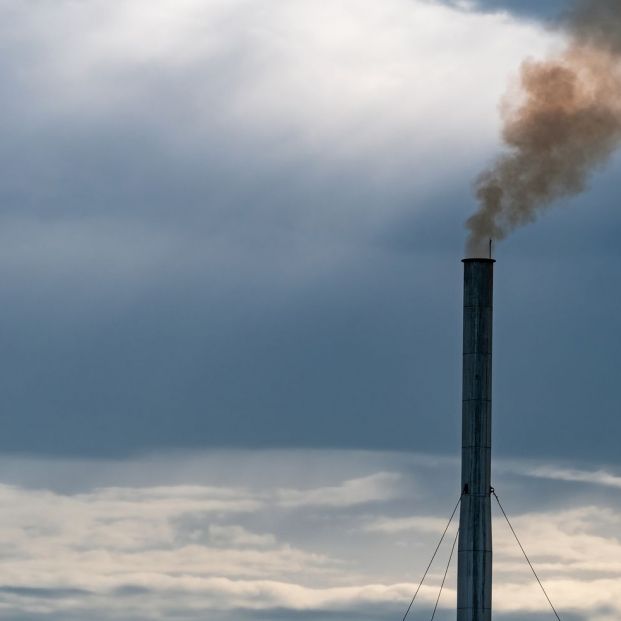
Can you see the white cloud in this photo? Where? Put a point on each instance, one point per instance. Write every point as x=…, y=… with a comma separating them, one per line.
x=236, y=536
x=358, y=76
x=254, y=541
x=400, y=525
x=376, y=487
x=595, y=477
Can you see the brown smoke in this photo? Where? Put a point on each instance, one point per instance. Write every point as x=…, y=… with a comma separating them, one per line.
x=564, y=121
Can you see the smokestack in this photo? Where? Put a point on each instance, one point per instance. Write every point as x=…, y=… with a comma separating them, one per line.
x=474, y=581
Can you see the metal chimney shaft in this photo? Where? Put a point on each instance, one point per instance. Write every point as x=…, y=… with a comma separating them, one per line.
x=474, y=581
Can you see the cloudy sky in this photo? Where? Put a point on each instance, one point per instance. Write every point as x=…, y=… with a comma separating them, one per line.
x=230, y=243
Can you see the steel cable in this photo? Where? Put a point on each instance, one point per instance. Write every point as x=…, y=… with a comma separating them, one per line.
x=407, y=612
x=525, y=555
x=435, y=608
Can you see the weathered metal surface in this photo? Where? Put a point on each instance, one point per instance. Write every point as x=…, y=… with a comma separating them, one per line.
x=474, y=582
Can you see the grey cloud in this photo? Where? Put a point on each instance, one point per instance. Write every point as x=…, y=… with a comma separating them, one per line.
x=277, y=615
x=199, y=528
x=197, y=252
x=569, y=616
x=130, y=590
x=44, y=593
x=548, y=11
x=383, y=615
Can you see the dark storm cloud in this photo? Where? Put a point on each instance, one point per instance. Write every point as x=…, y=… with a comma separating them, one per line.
x=185, y=262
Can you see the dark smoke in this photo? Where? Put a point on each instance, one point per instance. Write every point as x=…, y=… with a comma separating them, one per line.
x=565, y=121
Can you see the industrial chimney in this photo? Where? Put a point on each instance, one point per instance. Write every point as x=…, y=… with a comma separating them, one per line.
x=474, y=581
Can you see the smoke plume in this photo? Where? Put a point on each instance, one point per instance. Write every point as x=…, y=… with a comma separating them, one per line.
x=564, y=121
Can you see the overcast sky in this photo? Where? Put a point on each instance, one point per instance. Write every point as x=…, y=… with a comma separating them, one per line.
x=231, y=233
